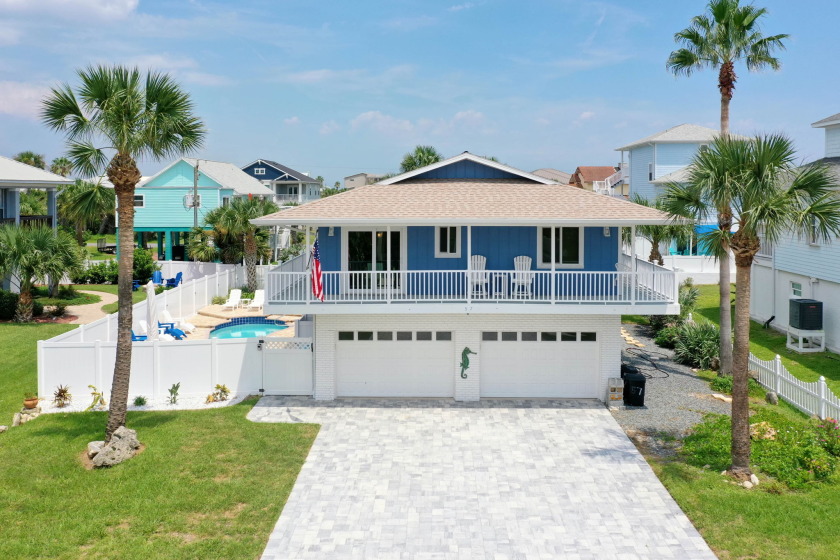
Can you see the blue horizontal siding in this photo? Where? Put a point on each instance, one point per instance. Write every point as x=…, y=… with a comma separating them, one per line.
x=794, y=254
x=181, y=175
x=467, y=170
x=673, y=157
x=164, y=207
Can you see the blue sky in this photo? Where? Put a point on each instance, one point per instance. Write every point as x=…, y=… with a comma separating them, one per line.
x=336, y=88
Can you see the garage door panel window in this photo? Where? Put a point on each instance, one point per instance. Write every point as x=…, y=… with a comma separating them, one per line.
x=529, y=337
x=588, y=337
x=509, y=336
x=443, y=336
x=405, y=335
x=548, y=336
x=424, y=335
x=568, y=337
x=364, y=335
x=489, y=336
x=346, y=335
x=384, y=335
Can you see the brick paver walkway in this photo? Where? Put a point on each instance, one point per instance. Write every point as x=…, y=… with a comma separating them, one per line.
x=500, y=479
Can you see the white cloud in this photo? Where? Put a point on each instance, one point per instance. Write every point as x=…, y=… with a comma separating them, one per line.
x=469, y=117
x=22, y=99
x=73, y=9
x=586, y=115
x=329, y=127
x=384, y=124
x=459, y=7
x=291, y=121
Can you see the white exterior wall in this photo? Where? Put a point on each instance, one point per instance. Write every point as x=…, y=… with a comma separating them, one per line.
x=466, y=331
x=832, y=141
x=765, y=294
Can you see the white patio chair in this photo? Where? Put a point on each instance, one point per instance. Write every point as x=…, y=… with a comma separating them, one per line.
x=144, y=329
x=258, y=301
x=522, y=279
x=478, y=278
x=233, y=299
x=166, y=317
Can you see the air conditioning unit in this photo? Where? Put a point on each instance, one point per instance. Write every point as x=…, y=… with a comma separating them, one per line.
x=806, y=314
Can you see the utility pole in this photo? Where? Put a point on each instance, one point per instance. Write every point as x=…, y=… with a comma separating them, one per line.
x=195, y=194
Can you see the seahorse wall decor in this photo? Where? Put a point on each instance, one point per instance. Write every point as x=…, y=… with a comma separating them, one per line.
x=465, y=361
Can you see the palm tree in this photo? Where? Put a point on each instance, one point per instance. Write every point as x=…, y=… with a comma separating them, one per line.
x=675, y=231
x=83, y=203
x=420, y=157
x=31, y=158
x=726, y=34
x=115, y=116
x=771, y=197
x=32, y=254
x=234, y=220
x=61, y=166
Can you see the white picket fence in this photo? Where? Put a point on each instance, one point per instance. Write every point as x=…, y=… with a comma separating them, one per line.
x=812, y=398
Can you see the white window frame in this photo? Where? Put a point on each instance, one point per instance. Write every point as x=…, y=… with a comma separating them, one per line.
x=259, y=171
x=812, y=235
x=651, y=172
x=142, y=198
x=794, y=289
x=448, y=255
x=558, y=241
x=225, y=201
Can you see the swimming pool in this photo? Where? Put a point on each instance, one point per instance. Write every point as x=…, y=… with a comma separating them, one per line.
x=248, y=327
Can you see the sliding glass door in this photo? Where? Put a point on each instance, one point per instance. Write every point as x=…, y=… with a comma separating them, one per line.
x=367, y=252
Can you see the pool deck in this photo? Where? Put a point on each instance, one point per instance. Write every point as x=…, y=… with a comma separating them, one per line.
x=213, y=315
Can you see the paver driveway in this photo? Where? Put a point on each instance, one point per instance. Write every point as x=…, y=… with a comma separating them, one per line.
x=436, y=479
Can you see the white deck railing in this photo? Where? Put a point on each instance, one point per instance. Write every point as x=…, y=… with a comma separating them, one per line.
x=607, y=186
x=444, y=286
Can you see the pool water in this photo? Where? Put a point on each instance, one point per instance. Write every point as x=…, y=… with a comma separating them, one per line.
x=247, y=330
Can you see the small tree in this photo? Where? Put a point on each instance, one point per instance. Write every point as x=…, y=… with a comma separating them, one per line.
x=32, y=254
x=32, y=158
x=84, y=203
x=677, y=231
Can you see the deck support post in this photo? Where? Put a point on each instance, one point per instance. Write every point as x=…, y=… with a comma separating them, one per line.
x=553, y=260
x=388, y=262
x=634, y=265
x=469, y=264
x=308, y=287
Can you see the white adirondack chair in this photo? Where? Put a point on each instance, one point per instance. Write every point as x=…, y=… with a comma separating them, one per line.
x=166, y=317
x=258, y=301
x=233, y=299
x=478, y=278
x=523, y=278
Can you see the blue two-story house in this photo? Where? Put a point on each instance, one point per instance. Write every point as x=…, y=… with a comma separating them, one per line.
x=468, y=279
x=163, y=204
x=290, y=187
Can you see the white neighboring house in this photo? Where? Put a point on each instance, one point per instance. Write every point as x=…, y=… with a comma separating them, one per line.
x=652, y=163
x=801, y=266
x=468, y=279
x=16, y=178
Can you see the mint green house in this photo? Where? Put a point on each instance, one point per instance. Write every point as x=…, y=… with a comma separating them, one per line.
x=163, y=204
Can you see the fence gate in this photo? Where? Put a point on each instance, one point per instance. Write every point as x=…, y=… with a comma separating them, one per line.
x=286, y=366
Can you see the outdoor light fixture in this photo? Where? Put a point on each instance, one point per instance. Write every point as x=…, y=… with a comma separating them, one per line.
x=606, y=231
x=331, y=232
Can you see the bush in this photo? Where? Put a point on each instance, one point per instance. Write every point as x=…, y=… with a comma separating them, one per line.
x=105, y=272
x=698, y=345
x=8, y=305
x=667, y=337
x=37, y=308
x=659, y=322
x=67, y=292
x=144, y=265
x=59, y=309
x=140, y=400
x=290, y=252
x=80, y=276
x=723, y=384
x=219, y=300
x=828, y=435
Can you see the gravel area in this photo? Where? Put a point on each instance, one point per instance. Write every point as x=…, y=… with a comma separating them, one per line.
x=81, y=401
x=675, y=397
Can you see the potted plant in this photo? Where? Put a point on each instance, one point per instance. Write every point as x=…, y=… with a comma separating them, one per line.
x=30, y=400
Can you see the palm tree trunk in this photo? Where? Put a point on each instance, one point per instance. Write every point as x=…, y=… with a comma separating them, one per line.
x=251, y=260
x=724, y=115
x=726, y=85
x=80, y=233
x=23, y=314
x=725, y=288
x=740, y=375
x=124, y=175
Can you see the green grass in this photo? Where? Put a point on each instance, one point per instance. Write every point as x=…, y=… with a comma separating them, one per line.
x=136, y=296
x=209, y=484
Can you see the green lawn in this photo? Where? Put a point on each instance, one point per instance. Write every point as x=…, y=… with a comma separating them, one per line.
x=209, y=484
x=41, y=294
x=136, y=296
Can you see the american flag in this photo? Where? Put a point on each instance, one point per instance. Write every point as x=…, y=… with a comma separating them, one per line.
x=317, y=277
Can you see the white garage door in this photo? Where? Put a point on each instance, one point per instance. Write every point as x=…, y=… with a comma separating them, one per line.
x=395, y=364
x=540, y=364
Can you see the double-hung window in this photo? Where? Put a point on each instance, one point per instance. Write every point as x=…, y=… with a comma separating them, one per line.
x=447, y=242
x=568, y=247
x=139, y=200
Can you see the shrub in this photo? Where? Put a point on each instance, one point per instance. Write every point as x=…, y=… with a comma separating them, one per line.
x=667, y=337
x=140, y=400
x=8, y=305
x=723, y=384
x=59, y=309
x=37, y=308
x=698, y=345
x=80, y=276
x=144, y=265
x=173, y=393
x=828, y=435
x=219, y=300
x=67, y=292
x=62, y=396
x=659, y=322
x=290, y=252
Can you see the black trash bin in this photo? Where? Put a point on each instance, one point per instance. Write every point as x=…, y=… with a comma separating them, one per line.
x=634, y=388
x=627, y=368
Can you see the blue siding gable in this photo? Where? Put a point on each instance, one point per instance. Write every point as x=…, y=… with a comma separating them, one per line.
x=467, y=169
x=270, y=173
x=180, y=175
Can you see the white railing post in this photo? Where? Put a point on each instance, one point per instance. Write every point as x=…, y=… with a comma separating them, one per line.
x=821, y=390
x=777, y=372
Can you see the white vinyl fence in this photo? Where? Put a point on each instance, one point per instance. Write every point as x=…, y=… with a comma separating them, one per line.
x=195, y=270
x=85, y=356
x=812, y=398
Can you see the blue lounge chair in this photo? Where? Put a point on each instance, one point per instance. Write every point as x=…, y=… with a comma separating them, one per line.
x=135, y=285
x=138, y=337
x=177, y=333
x=157, y=277
x=174, y=282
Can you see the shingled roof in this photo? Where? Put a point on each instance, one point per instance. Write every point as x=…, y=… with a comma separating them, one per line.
x=467, y=201
x=677, y=134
